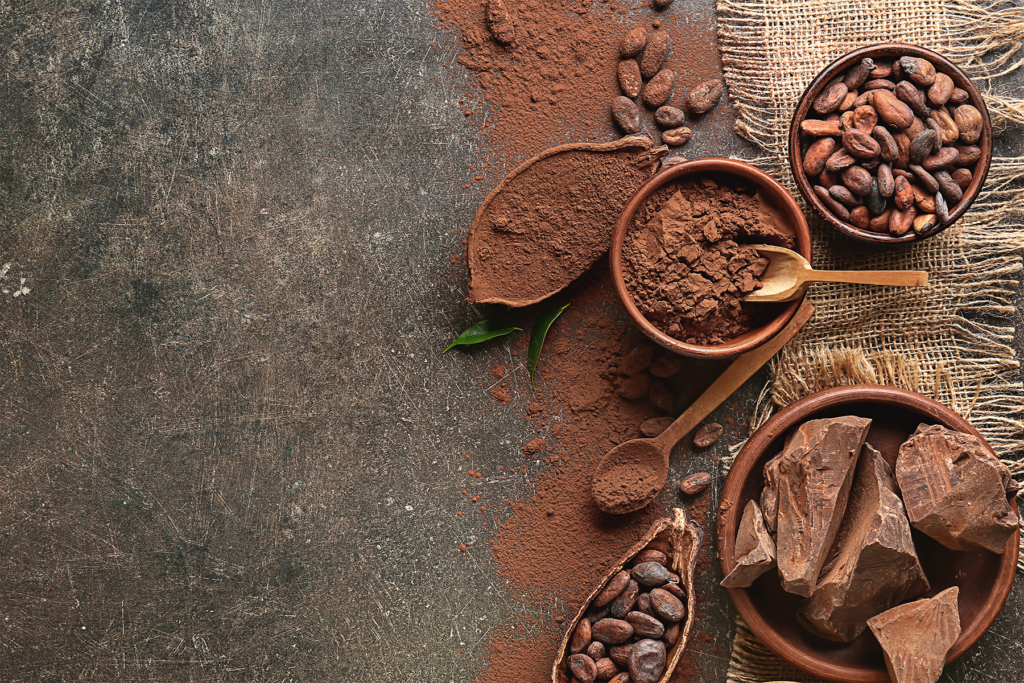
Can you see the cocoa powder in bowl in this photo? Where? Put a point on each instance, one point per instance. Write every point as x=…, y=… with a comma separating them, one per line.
x=745, y=205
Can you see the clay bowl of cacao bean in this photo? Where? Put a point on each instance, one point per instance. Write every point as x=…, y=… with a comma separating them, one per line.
x=984, y=577
x=883, y=142
x=778, y=218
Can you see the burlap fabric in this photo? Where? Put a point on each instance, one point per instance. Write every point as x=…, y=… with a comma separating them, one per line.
x=949, y=340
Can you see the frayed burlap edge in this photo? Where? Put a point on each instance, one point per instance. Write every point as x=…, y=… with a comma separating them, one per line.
x=934, y=340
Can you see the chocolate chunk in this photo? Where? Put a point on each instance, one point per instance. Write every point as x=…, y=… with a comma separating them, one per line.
x=877, y=566
x=754, y=551
x=915, y=637
x=955, y=489
x=812, y=477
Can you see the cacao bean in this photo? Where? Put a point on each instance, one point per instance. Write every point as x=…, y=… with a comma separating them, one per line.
x=843, y=195
x=671, y=634
x=659, y=89
x=620, y=653
x=891, y=110
x=869, y=164
x=661, y=396
x=819, y=128
x=865, y=118
x=655, y=426
x=658, y=45
x=629, y=77
x=904, y=194
x=959, y=96
x=677, y=136
x=856, y=76
x=881, y=70
x=940, y=90
x=643, y=604
x=901, y=221
x=949, y=188
x=626, y=115
x=662, y=4
x=962, y=177
x=667, y=606
x=652, y=555
x=886, y=183
x=897, y=71
x=707, y=434
x=620, y=678
x=901, y=173
x=650, y=574
x=912, y=97
x=612, y=590
x=941, y=209
x=925, y=178
x=645, y=626
x=860, y=144
x=921, y=71
x=846, y=121
x=924, y=203
x=633, y=42
x=672, y=578
x=967, y=154
x=596, y=614
x=704, y=96
x=946, y=157
x=596, y=650
x=612, y=631
x=859, y=217
x=674, y=588
x=886, y=144
x=646, y=661
x=937, y=129
x=583, y=668
x=606, y=668
x=694, y=484
x=874, y=201
x=903, y=150
x=915, y=128
x=839, y=160
x=848, y=101
x=879, y=84
x=828, y=179
x=880, y=223
x=580, y=637
x=924, y=223
x=950, y=130
x=863, y=98
x=968, y=120
x=921, y=146
x=830, y=98
x=840, y=211
x=857, y=179
x=666, y=364
x=669, y=117
x=623, y=602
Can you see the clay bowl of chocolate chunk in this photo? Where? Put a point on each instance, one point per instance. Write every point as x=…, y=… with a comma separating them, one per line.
x=682, y=258
x=884, y=418
x=891, y=143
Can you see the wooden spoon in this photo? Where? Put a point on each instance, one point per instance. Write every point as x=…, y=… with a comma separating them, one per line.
x=789, y=273
x=633, y=473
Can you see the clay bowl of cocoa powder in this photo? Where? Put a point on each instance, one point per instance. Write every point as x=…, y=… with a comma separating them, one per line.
x=781, y=214
x=887, y=53
x=985, y=578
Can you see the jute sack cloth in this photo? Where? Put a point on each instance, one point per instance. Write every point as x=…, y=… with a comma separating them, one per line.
x=949, y=340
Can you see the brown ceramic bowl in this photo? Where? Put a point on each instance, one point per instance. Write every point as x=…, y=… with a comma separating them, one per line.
x=887, y=51
x=984, y=578
x=726, y=172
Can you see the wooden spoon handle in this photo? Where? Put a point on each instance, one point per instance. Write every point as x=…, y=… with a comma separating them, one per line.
x=893, y=278
x=741, y=369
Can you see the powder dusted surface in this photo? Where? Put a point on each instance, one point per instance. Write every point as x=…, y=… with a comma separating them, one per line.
x=685, y=266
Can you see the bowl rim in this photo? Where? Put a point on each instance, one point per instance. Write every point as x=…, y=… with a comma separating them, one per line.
x=732, y=348
x=729, y=516
x=844, y=62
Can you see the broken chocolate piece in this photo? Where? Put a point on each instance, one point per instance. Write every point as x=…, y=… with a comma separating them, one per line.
x=754, y=552
x=916, y=636
x=955, y=489
x=877, y=566
x=811, y=480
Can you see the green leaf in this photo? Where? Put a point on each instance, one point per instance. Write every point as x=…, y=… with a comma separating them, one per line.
x=481, y=332
x=537, y=336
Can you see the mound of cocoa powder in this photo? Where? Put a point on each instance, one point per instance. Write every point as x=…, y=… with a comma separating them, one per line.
x=687, y=260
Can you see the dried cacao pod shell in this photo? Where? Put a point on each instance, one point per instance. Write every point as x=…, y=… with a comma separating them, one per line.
x=680, y=540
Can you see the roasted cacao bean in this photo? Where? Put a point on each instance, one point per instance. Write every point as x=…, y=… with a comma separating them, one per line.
x=668, y=117
x=626, y=115
x=629, y=78
x=707, y=434
x=694, y=484
x=658, y=45
x=650, y=574
x=704, y=96
x=659, y=88
x=633, y=42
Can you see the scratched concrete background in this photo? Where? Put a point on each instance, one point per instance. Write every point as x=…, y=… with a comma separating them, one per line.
x=229, y=447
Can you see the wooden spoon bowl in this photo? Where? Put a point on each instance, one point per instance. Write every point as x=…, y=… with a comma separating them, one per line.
x=984, y=578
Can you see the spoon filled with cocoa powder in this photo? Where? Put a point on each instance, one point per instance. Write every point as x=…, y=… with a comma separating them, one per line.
x=632, y=474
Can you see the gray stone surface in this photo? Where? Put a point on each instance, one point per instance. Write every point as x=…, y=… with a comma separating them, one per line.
x=230, y=449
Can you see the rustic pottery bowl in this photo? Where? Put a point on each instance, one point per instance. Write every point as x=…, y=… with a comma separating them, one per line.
x=984, y=578
x=726, y=172
x=888, y=51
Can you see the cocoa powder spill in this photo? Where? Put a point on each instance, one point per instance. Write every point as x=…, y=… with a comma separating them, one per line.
x=686, y=267
x=552, y=84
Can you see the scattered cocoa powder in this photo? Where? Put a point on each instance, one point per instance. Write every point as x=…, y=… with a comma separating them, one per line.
x=686, y=267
